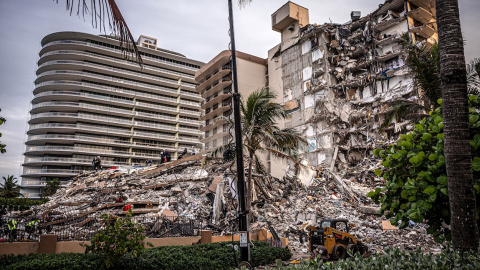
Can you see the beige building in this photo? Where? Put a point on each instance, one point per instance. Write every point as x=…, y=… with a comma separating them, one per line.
x=338, y=80
x=215, y=87
x=89, y=101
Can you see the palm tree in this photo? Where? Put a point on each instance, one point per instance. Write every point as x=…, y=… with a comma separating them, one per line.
x=9, y=188
x=260, y=133
x=51, y=187
x=456, y=127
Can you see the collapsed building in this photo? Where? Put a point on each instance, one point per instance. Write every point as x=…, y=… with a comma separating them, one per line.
x=338, y=80
x=186, y=196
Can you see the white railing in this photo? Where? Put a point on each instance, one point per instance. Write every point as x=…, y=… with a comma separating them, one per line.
x=77, y=138
x=75, y=149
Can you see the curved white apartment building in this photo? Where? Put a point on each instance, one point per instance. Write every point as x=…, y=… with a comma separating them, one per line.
x=89, y=101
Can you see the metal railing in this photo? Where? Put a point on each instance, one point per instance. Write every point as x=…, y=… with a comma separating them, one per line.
x=84, y=228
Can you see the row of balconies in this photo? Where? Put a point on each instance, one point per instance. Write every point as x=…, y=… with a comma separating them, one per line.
x=74, y=74
x=114, y=60
x=114, y=71
x=68, y=105
x=147, y=58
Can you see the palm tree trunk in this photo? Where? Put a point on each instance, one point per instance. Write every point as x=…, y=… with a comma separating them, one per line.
x=456, y=126
x=250, y=185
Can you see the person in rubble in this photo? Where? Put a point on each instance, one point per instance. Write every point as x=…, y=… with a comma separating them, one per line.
x=12, y=229
x=97, y=163
x=162, y=156
x=149, y=162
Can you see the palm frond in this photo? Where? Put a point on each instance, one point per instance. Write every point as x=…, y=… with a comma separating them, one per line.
x=107, y=10
x=259, y=167
x=403, y=109
x=243, y=3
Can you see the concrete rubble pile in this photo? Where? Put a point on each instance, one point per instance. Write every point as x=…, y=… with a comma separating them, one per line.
x=207, y=194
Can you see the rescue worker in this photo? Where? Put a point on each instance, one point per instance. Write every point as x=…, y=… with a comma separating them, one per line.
x=12, y=228
x=30, y=228
x=97, y=163
x=194, y=151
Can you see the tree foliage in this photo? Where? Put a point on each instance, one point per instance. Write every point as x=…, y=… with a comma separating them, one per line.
x=416, y=185
x=10, y=188
x=51, y=187
x=119, y=237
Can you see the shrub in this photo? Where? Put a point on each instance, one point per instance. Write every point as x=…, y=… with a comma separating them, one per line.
x=396, y=259
x=20, y=203
x=119, y=237
x=416, y=186
x=204, y=256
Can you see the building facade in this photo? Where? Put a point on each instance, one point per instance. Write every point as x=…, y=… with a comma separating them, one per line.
x=338, y=80
x=90, y=101
x=215, y=87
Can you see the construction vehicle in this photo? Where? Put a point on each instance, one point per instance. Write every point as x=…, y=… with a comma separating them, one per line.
x=332, y=240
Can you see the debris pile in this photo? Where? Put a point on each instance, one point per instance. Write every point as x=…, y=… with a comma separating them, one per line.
x=207, y=194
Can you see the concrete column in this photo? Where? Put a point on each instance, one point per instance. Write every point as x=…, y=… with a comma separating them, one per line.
x=206, y=237
x=48, y=243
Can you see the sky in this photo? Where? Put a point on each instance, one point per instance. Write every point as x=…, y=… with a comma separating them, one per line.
x=198, y=29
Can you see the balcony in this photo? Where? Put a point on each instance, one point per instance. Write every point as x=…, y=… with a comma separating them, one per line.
x=420, y=14
x=155, y=126
x=153, y=116
x=212, y=79
x=424, y=31
x=220, y=86
x=189, y=113
x=157, y=107
x=189, y=121
x=151, y=135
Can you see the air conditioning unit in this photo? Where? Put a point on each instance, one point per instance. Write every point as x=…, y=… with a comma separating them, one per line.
x=291, y=27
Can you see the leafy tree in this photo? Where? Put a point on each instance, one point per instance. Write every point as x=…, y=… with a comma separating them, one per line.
x=458, y=157
x=51, y=187
x=9, y=188
x=2, y=146
x=119, y=237
x=416, y=185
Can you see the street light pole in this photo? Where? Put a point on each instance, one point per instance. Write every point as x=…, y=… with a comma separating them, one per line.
x=243, y=220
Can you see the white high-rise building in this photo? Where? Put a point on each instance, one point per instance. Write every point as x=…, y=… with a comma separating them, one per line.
x=89, y=101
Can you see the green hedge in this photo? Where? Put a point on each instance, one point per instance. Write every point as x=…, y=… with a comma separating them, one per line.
x=21, y=203
x=203, y=256
x=395, y=259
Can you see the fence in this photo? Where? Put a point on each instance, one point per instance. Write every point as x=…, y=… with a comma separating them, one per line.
x=83, y=229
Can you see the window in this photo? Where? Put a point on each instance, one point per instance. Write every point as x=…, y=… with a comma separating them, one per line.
x=225, y=127
x=206, y=145
x=207, y=133
x=215, y=143
x=215, y=131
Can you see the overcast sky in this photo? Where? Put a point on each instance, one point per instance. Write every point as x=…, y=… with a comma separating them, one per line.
x=197, y=29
